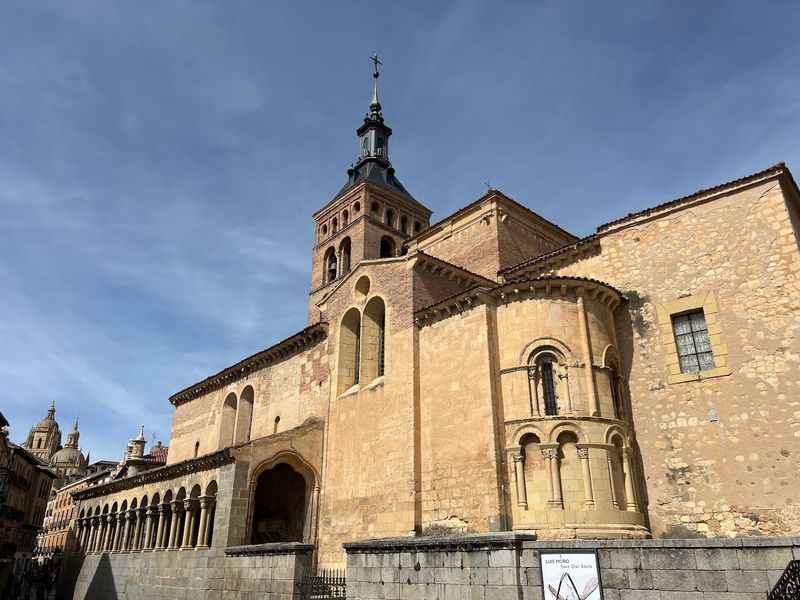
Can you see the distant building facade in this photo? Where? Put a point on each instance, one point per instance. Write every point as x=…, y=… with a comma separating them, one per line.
x=493, y=372
x=25, y=483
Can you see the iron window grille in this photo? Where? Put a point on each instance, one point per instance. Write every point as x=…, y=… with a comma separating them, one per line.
x=549, y=389
x=692, y=342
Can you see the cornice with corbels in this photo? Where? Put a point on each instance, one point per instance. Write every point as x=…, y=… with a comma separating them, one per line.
x=187, y=467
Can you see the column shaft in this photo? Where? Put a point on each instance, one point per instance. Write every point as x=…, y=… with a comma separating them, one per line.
x=591, y=393
x=519, y=476
x=629, y=491
x=173, y=526
x=583, y=455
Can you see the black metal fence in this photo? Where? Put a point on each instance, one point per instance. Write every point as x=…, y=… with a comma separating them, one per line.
x=788, y=586
x=326, y=585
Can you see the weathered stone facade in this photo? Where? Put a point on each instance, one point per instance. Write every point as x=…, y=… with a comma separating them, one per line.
x=493, y=373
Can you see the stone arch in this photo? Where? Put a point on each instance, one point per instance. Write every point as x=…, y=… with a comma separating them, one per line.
x=349, y=349
x=227, y=425
x=527, y=429
x=345, y=217
x=244, y=415
x=532, y=347
x=362, y=287
x=574, y=428
x=134, y=504
x=373, y=339
x=282, y=500
x=548, y=385
x=613, y=430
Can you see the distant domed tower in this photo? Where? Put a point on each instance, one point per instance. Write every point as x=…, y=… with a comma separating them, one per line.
x=44, y=439
x=69, y=460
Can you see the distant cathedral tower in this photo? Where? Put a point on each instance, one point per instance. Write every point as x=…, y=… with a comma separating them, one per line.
x=371, y=215
x=69, y=460
x=44, y=439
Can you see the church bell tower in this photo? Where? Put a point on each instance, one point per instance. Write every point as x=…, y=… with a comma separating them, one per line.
x=372, y=215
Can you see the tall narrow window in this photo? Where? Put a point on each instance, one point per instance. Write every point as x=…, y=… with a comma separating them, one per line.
x=389, y=217
x=344, y=253
x=616, y=397
x=357, y=358
x=691, y=339
x=382, y=344
x=548, y=388
x=387, y=247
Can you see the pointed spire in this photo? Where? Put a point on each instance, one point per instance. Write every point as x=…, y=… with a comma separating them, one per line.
x=75, y=426
x=51, y=412
x=375, y=105
x=141, y=435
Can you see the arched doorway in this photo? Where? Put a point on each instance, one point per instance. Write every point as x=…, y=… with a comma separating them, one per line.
x=279, y=506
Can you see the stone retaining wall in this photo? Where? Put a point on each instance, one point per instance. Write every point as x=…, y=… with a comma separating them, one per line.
x=506, y=567
x=263, y=572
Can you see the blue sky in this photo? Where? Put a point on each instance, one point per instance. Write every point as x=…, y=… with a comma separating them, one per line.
x=160, y=162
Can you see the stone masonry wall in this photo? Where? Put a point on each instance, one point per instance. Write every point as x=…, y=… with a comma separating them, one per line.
x=507, y=567
x=720, y=454
x=196, y=574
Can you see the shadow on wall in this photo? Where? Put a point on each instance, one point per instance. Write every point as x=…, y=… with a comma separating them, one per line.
x=70, y=568
x=102, y=586
x=632, y=322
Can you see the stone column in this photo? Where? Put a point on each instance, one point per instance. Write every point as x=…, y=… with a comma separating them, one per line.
x=162, y=510
x=205, y=504
x=115, y=546
x=519, y=476
x=188, y=523
x=109, y=536
x=173, y=525
x=94, y=535
x=554, y=481
x=629, y=492
x=126, y=534
x=148, y=531
x=610, y=456
x=556, y=499
x=137, y=532
x=591, y=393
x=533, y=385
x=564, y=376
x=583, y=456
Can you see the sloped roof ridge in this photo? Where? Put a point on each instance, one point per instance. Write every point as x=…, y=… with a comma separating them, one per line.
x=472, y=274
x=244, y=365
x=781, y=166
x=776, y=168
x=519, y=280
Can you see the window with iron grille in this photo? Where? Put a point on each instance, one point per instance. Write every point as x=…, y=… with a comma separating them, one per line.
x=549, y=389
x=382, y=345
x=691, y=340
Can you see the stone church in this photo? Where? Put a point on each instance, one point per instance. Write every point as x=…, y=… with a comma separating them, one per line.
x=490, y=372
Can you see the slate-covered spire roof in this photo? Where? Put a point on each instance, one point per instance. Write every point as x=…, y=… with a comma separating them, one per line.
x=373, y=164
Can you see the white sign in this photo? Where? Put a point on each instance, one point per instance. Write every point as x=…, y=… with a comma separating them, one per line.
x=570, y=576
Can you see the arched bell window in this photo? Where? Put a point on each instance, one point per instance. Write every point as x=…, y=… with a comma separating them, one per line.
x=344, y=253
x=330, y=265
x=387, y=247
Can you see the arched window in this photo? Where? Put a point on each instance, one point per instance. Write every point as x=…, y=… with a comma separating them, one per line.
x=389, y=217
x=334, y=224
x=349, y=350
x=548, y=387
x=404, y=224
x=617, y=473
x=375, y=208
x=356, y=208
x=614, y=382
x=373, y=362
x=344, y=253
x=387, y=247
x=228, y=421
x=345, y=218
x=330, y=265
x=324, y=230
x=547, y=390
x=417, y=227
x=196, y=449
x=244, y=416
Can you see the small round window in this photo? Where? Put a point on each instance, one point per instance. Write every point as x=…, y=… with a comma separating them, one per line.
x=362, y=287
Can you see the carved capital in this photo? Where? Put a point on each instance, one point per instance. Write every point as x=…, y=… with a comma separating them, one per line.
x=583, y=453
x=550, y=453
x=188, y=505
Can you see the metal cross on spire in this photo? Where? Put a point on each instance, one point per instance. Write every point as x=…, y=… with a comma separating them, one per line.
x=375, y=105
x=375, y=62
